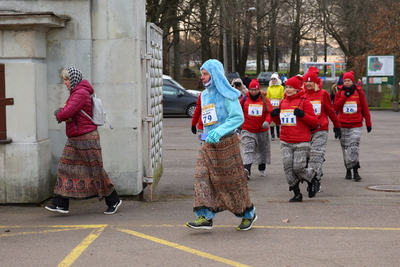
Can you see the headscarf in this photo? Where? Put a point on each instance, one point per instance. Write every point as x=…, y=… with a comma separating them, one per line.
x=218, y=79
x=75, y=76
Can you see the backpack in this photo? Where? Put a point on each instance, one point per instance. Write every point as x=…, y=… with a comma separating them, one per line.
x=99, y=116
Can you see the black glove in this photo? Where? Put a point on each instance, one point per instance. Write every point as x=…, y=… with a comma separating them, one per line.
x=369, y=128
x=338, y=133
x=56, y=111
x=298, y=112
x=275, y=112
x=194, y=130
x=349, y=92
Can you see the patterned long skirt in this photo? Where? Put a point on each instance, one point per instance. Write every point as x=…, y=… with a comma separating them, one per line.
x=255, y=147
x=317, y=152
x=350, y=143
x=220, y=178
x=295, y=157
x=80, y=170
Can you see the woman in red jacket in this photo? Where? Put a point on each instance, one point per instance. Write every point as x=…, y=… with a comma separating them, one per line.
x=80, y=170
x=297, y=118
x=254, y=141
x=352, y=106
x=323, y=108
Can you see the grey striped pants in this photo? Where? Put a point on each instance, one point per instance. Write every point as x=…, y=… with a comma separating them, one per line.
x=295, y=158
x=350, y=143
x=317, y=152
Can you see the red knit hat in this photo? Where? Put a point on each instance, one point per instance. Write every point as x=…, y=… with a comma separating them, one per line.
x=349, y=75
x=296, y=82
x=311, y=75
x=254, y=84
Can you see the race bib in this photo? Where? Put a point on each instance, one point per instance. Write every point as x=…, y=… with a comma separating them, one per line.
x=275, y=102
x=350, y=107
x=317, y=106
x=287, y=117
x=209, y=115
x=255, y=110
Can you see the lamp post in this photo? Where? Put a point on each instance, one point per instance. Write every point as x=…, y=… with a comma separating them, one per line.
x=232, y=37
x=224, y=42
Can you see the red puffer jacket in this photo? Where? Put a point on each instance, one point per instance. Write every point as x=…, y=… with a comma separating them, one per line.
x=76, y=122
x=300, y=131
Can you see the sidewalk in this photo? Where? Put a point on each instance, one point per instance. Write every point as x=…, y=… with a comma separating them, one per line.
x=347, y=224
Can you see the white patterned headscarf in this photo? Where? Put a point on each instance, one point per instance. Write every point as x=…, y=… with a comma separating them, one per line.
x=75, y=76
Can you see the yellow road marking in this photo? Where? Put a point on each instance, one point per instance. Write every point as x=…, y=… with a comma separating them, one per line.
x=77, y=251
x=287, y=227
x=187, y=249
x=39, y=232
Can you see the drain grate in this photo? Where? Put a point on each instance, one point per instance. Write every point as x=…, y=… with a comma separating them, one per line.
x=386, y=188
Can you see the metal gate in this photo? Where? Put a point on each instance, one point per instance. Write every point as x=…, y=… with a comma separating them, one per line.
x=154, y=118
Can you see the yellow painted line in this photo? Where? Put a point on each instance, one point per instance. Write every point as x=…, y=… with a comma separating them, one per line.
x=40, y=232
x=77, y=251
x=85, y=226
x=285, y=227
x=186, y=249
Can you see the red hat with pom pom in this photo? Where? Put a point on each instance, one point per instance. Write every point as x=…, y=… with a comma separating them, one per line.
x=349, y=75
x=296, y=82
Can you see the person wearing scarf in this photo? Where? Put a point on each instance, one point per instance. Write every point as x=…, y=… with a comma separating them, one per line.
x=80, y=169
x=323, y=108
x=297, y=118
x=220, y=178
x=352, y=107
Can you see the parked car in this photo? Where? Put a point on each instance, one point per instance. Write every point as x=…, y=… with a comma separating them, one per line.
x=264, y=77
x=168, y=80
x=177, y=100
x=232, y=75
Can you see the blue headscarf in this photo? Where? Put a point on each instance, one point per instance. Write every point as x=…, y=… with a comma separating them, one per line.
x=218, y=79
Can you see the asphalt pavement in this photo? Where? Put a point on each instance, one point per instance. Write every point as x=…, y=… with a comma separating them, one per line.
x=347, y=224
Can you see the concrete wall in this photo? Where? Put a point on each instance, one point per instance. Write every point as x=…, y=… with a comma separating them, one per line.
x=105, y=40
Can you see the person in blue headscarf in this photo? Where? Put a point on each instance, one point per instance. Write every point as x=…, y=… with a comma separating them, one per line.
x=220, y=178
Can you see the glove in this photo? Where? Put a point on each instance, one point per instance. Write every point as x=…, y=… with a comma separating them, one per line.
x=349, y=92
x=298, y=112
x=194, y=130
x=265, y=125
x=275, y=112
x=56, y=111
x=338, y=133
x=369, y=128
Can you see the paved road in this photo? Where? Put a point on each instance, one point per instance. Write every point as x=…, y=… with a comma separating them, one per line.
x=347, y=224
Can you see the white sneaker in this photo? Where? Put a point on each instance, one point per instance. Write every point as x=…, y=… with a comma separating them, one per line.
x=262, y=174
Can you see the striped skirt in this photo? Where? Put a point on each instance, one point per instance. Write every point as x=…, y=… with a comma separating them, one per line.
x=80, y=170
x=350, y=143
x=220, y=178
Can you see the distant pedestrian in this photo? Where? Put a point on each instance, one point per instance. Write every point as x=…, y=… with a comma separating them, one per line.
x=238, y=84
x=80, y=170
x=297, y=118
x=275, y=93
x=246, y=80
x=220, y=179
x=352, y=106
x=254, y=142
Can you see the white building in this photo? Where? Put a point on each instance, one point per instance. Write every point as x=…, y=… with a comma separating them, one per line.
x=121, y=55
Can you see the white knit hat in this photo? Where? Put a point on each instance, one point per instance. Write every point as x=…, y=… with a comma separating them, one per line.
x=275, y=75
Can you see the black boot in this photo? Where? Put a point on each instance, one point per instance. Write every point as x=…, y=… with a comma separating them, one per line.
x=298, y=197
x=348, y=174
x=357, y=177
x=247, y=167
x=272, y=133
x=313, y=187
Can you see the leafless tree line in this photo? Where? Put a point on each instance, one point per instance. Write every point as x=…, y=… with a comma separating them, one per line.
x=195, y=29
